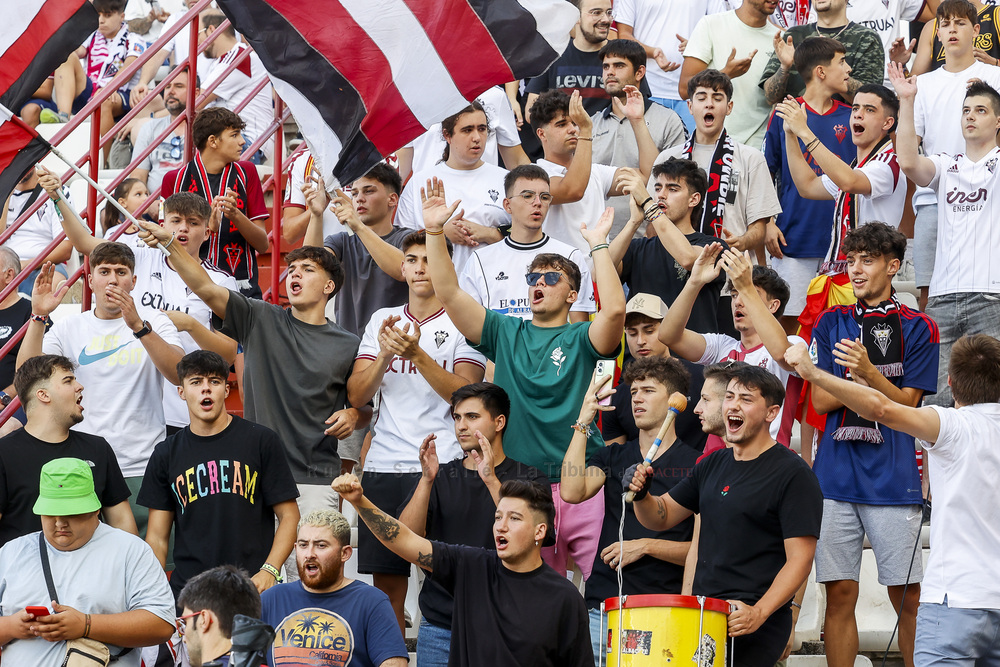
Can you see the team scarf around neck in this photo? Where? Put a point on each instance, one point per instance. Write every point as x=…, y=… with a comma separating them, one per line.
x=882, y=336
x=845, y=215
x=714, y=208
x=194, y=178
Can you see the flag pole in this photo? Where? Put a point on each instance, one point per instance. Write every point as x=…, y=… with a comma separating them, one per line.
x=6, y=113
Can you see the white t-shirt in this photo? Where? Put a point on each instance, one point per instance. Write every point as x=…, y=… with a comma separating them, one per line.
x=563, y=221
x=937, y=113
x=720, y=347
x=888, y=197
x=712, y=43
x=964, y=537
x=657, y=23
x=294, y=196
x=122, y=389
x=409, y=409
x=179, y=45
x=480, y=189
x=785, y=16
x=428, y=148
x=967, y=258
x=259, y=112
x=36, y=232
x=113, y=573
x=494, y=276
x=157, y=286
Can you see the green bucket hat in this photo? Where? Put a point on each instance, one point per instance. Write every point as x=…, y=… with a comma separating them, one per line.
x=66, y=487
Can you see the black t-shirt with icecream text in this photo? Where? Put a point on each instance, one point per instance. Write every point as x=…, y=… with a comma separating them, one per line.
x=221, y=489
x=22, y=456
x=748, y=509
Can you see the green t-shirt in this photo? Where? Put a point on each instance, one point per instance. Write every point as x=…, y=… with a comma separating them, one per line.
x=545, y=371
x=865, y=55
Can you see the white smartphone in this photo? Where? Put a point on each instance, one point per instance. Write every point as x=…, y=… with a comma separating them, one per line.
x=604, y=368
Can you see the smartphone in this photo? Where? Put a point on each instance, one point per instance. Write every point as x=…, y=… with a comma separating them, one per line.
x=38, y=611
x=604, y=368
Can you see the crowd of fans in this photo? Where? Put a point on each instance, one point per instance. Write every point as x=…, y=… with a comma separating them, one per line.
x=717, y=196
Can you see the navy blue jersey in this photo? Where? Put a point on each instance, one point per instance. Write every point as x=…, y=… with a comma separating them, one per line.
x=863, y=472
x=807, y=223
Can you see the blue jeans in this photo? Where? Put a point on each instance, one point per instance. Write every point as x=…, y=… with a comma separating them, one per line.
x=956, y=315
x=680, y=107
x=951, y=636
x=597, y=638
x=433, y=645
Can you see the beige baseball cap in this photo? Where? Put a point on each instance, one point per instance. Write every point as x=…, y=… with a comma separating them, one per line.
x=649, y=305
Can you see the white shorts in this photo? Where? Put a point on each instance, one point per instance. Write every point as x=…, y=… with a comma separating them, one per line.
x=797, y=272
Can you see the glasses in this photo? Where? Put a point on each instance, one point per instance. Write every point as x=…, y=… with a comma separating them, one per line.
x=176, y=147
x=529, y=196
x=551, y=278
x=181, y=622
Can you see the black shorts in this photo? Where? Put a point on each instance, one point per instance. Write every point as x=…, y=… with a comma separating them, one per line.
x=387, y=490
x=764, y=647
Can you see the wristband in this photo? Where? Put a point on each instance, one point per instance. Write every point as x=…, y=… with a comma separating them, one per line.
x=796, y=604
x=582, y=428
x=58, y=198
x=39, y=318
x=643, y=204
x=599, y=246
x=812, y=144
x=86, y=627
x=437, y=233
x=172, y=237
x=271, y=570
x=585, y=138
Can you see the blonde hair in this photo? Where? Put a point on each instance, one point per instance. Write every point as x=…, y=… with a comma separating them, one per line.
x=332, y=519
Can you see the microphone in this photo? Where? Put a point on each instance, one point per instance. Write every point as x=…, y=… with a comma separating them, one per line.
x=678, y=403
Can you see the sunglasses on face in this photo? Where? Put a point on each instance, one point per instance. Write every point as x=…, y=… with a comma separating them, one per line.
x=551, y=278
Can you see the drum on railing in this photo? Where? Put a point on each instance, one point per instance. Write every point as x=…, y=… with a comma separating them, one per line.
x=666, y=629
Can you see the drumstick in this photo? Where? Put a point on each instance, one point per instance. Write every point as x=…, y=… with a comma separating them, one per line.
x=678, y=403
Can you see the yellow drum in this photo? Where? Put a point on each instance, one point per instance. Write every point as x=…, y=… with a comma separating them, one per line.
x=667, y=630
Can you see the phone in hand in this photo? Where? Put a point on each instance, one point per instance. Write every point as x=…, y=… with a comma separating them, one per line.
x=604, y=368
x=38, y=611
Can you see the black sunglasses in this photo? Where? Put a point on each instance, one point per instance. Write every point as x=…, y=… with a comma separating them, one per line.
x=551, y=278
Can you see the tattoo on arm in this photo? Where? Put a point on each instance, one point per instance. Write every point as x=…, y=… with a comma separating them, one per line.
x=381, y=524
x=661, y=510
x=853, y=85
x=774, y=88
x=425, y=560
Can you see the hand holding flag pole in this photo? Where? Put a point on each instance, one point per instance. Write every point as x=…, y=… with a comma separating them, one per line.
x=678, y=403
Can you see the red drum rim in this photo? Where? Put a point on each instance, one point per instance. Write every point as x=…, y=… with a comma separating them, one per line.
x=684, y=601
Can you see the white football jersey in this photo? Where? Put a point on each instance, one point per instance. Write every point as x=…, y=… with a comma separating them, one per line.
x=294, y=196
x=409, y=409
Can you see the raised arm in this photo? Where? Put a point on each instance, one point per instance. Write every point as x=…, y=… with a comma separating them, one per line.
x=606, y=329
x=674, y=333
x=635, y=111
x=739, y=268
x=579, y=481
x=306, y=224
x=395, y=536
x=467, y=313
x=45, y=297
x=204, y=338
x=77, y=233
x=808, y=184
x=388, y=257
x=414, y=515
x=673, y=239
x=917, y=168
x=923, y=423
x=784, y=53
x=619, y=246
x=571, y=186
x=188, y=268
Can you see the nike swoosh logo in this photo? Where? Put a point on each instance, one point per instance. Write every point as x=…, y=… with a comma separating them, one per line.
x=86, y=358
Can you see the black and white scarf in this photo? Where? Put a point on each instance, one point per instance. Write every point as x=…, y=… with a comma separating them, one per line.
x=713, y=209
x=845, y=215
x=882, y=336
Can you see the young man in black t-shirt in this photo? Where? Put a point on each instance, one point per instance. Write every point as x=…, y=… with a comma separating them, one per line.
x=220, y=482
x=649, y=561
x=51, y=395
x=510, y=607
x=661, y=263
x=455, y=502
x=14, y=312
x=760, y=507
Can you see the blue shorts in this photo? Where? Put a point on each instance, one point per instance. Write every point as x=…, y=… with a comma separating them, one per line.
x=78, y=103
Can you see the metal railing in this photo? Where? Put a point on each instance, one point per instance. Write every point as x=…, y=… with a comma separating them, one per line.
x=93, y=159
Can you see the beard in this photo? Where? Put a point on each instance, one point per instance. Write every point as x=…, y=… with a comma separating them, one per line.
x=323, y=578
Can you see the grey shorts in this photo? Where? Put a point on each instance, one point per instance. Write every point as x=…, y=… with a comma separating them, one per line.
x=924, y=243
x=892, y=531
x=798, y=272
x=349, y=448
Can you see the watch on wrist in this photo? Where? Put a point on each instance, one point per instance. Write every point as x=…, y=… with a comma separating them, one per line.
x=146, y=329
x=5, y=398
